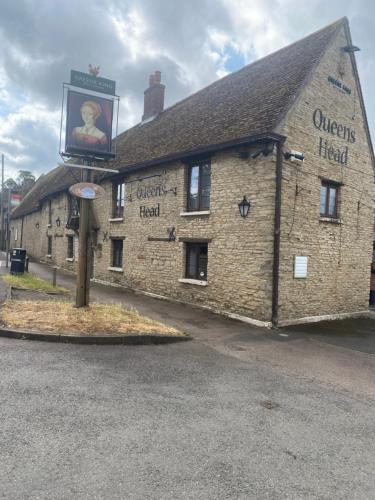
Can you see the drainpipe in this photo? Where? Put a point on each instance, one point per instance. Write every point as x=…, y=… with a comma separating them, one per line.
x=21, y=232
x=276, y=238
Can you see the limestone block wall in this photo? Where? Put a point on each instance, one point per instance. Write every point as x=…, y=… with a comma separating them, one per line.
x=36, y=228
x=339, y=251
x=239, y=250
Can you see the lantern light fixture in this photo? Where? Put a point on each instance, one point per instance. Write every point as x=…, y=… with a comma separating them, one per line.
x=244, y=207
x=58, y=222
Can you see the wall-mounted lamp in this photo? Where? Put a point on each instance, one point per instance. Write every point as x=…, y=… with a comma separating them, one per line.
x=58, y=222
x=244, y=207
x=37, y=225
x=296, y=155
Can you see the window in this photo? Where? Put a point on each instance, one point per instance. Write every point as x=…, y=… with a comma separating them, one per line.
x=328, y=199
x=118, y=200
x=199, y=186
x=50, y=212
x=196, y=261
x=49, y=245
x=73, y=206
x=70, y=251
x=117, y=247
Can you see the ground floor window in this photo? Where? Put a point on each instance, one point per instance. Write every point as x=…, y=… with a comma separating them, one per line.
x=70, y=250
x=49, y=245
x=196, y=261
x=328, y=199
x=117, y=248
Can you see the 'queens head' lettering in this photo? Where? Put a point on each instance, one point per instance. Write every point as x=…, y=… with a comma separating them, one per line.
x=322, y=122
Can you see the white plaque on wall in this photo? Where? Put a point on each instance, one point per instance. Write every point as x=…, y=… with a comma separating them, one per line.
x=300, y=266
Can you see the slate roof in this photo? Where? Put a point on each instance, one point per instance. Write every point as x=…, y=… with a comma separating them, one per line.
x=249, y=102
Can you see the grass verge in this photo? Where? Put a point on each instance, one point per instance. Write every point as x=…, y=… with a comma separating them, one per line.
x=62, y=317
x=29, y=281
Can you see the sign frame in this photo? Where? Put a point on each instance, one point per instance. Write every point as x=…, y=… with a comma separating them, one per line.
x=91, y=82
x=85, y=155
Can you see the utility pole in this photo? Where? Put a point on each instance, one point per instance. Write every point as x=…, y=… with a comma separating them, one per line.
x=8, y=232
x=2, y=204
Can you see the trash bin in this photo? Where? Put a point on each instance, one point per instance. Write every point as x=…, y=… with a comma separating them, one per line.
x=19, y=253
x=17, y=266
x=27, y=264
x=17, y=261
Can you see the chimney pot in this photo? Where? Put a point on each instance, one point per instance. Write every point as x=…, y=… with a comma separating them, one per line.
x=154, y=97
x=157, y=77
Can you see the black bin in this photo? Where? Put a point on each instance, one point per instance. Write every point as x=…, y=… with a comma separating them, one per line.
x=17, y=266
x=19, y=253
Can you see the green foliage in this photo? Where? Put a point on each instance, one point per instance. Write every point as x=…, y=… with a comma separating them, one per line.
x=29, y=281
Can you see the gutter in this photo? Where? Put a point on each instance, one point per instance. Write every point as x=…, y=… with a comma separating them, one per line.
x=277, y=234
x=184, y=155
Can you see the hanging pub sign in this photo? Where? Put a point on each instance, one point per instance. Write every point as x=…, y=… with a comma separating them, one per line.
x=92, y=82
x=88, y=124
x=88, y=116
x=86, y=190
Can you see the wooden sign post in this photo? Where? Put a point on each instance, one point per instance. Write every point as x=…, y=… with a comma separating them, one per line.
x=87, y=192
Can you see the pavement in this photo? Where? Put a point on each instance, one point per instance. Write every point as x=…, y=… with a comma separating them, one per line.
x=238, y=413
x=337, y=353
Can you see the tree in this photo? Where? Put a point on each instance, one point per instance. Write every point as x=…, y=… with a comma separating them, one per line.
x=25, y=181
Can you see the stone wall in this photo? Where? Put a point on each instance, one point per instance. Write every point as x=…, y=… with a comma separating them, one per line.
x=339, y=251
x=239, y=250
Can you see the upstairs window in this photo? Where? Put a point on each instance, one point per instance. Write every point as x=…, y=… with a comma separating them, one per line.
x=196, y=261
x=118, y=200
x=329, y=199
x=73, y=206
x=199, y=186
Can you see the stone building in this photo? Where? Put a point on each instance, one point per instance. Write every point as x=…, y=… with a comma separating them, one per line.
x=170, y=224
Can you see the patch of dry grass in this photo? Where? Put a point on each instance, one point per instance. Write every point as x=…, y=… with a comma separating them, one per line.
x=62, y=317
x=29, y=281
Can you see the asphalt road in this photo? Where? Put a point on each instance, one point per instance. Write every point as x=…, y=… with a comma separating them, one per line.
x=174, y=422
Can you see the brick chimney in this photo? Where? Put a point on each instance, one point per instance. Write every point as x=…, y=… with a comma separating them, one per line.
x=154, y=97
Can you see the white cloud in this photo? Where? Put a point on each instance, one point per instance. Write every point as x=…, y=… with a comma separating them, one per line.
x=192, y=43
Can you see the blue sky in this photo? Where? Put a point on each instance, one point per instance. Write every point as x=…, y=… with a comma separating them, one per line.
x=193, y=43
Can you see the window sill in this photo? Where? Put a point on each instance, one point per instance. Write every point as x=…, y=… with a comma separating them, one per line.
x=331, y=220
x=70, y=259
x=118, y=219
x=193, y=282
x=197, y=213
x=116, y=269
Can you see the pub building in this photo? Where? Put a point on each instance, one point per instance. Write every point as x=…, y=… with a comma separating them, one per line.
x=252, y=197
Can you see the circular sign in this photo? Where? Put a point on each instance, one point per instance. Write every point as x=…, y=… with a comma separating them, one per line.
x=86, y=190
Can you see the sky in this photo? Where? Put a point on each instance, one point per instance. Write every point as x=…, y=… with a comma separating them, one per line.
x=192, y=42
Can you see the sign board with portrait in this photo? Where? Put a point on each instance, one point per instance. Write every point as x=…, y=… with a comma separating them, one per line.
x=88, y=125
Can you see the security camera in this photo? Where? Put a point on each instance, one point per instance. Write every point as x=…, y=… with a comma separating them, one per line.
x=296, y=155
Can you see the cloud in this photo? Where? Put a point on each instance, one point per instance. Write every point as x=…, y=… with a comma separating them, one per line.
x=193, y=43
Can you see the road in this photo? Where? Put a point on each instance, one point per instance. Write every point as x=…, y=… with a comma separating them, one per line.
x=215, y=418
